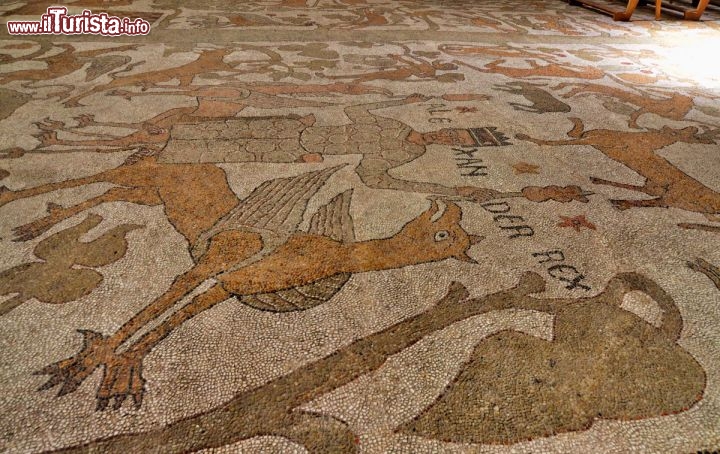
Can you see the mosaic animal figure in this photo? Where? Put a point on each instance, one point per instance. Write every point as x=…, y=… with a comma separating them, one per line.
x=180, y=178
x=214, y=103
x=541, y=100
x=65, y=272
x=209, y=60
x=181, y=182
x=257, y=254
x=384, y=143
x=536, y=63
x=629, y=369
x=535, y=69
x=673, y=106
x=603, y=362
x=407, y=68
x=182, y=189
x=66, y=62
x=668, y=185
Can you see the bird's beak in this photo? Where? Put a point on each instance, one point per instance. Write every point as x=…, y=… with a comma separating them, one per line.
x=463, y=257
x=475, y=239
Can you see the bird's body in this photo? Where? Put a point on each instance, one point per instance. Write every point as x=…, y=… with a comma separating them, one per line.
x=258, y=253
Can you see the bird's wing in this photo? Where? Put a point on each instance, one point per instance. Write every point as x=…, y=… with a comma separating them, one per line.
x=278, y=205
x=332, y=220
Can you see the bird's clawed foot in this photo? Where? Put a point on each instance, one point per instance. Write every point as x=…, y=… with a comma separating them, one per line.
x=85, y=120
x=122, y=375
x=47, y=138
x=122, y=379
x=69, y=373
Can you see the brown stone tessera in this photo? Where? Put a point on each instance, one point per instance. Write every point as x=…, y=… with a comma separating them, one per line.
x=360, y=226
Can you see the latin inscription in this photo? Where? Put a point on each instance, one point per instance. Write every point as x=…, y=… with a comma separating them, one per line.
x=554, y=260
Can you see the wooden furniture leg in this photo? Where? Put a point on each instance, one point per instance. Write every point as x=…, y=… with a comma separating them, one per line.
x=695, y=14
x=616, y=15
x=690, y=14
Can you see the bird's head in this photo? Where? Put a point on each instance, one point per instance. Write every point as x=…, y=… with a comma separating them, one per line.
x=436, y=236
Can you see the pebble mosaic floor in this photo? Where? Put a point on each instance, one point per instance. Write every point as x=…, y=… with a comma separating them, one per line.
x=360, y=226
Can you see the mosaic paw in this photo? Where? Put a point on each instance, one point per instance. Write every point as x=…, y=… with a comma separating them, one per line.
x=71, y=372
x=122, y=379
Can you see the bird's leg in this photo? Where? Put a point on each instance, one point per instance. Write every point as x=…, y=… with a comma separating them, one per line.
x=7, y=196
x=122, y=376
x=123, y=372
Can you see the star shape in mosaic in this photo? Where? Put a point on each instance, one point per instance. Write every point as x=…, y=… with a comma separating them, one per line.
x=525, y=167
x=576, y=222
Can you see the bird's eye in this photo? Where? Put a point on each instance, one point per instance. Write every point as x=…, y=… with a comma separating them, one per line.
x=442, y=235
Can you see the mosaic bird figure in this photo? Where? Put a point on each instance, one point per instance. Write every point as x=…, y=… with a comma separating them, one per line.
x=258, y=254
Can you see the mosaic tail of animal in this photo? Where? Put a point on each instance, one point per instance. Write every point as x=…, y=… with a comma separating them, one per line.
x=258, y=254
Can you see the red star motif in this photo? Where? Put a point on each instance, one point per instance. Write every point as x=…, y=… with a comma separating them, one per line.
x=577, y=222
